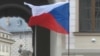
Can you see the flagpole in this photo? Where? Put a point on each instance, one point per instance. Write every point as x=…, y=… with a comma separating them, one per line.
x=69, y=32
x=35, y=46
x=69, y=44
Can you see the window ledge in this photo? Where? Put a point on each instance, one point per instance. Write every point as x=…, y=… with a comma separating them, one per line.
x=86, y=34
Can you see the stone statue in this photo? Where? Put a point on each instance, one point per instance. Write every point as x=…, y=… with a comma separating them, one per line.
x=24, y=52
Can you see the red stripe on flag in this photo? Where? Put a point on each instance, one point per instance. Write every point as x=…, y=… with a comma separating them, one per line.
x=46, y=20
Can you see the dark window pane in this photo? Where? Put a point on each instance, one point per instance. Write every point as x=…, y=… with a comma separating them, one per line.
x=97, y=26
x=85, y=26
x=97, y=15
x=97, y=12
x=85, y=15
x=85, y=9
x=97, y=2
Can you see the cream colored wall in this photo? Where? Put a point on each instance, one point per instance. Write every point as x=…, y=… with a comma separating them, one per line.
x=77, y=16
x=57, y=41
x=85, y=42
x=83, y=45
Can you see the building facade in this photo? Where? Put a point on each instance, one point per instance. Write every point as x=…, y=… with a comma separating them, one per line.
x=84, y=29
x=21, y=33
x=16, y=8
x=5, y=42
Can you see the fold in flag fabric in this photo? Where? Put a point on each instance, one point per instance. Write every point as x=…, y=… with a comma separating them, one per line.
x=53, y=16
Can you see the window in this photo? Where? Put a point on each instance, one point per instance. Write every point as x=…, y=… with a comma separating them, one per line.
x=1, y=34
x=5, y=35
x=89, y=15
x=19, y=22
x=7, y=47
x=8, y=36
x=3, y=48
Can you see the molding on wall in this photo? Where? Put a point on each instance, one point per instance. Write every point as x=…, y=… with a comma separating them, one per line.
x=82, y=51
x=86, y=34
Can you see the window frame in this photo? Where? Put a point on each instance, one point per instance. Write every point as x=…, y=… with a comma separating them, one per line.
x=93, y=18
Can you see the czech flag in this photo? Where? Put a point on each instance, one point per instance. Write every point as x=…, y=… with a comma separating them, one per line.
x=53, y=16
